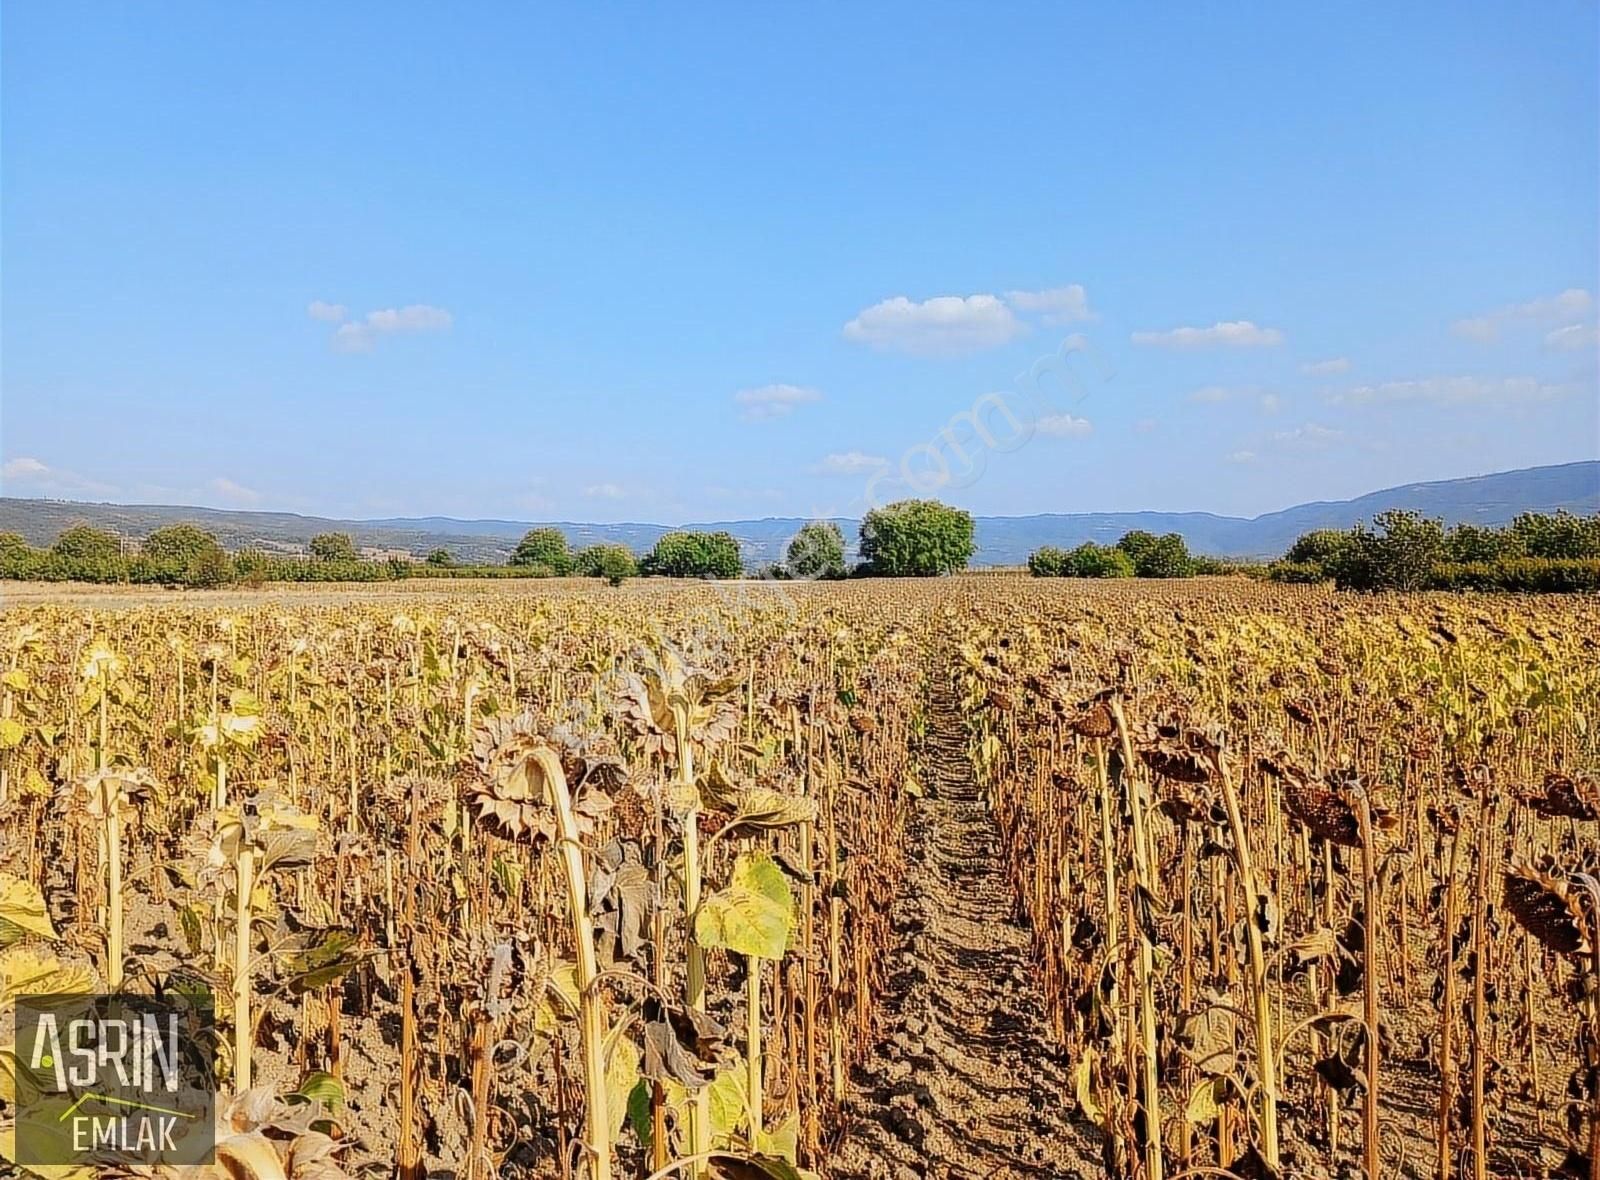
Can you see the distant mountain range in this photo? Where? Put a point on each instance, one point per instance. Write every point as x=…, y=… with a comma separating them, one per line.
x=1002, y=540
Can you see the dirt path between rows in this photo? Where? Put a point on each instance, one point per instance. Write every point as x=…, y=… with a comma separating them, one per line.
x=967, y=1082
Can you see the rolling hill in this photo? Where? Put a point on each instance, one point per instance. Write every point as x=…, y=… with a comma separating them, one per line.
x=1002, y=540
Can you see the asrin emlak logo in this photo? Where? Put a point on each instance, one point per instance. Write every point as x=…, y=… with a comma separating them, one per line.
x=105, y=1079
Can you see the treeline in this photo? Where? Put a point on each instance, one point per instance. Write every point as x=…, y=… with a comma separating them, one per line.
x=1536, y=553
x=912, y=538
x=1552, y=553
x=1137, y=554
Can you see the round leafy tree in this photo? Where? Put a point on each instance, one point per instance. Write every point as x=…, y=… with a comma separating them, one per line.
x=608, y=561
x=83, y=543
x=547, y=547
x=817, y=551
x=333, y=547
x=696, y=555
x=916, y=539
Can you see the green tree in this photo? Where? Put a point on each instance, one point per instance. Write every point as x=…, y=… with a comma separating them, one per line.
x=1097, y=561
x=1398, y=553
x=1472, y=542
x=1047, y=562
x=210, y=567
x=185, y=554
x=84, y=544
x=333, y=547
x=696, y=555
x=609, y=561
x=916, y=539
x=817, y=551
x=547, y=547
x=441, y=558
x=1320, y=547
x=1156, y=557
x=1557, y=535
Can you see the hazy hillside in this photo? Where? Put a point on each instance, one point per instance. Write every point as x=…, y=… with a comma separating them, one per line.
x=1002, y=540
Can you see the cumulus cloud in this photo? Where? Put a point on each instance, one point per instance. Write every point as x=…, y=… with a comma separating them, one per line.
x=235, y=493
x=1327, y=368
x=604, y=491
x=1574, y=337
x=1270, y=403
x=24, y=474
x=363, y=335
x=1571, y=304
x=1055, y=305
x=850, y=463
x=1455, y=391
x=1241, y=457
x=1063, y=426
x=328, y=313
x=774, y=401
x=1226, y=334
x=947, y=325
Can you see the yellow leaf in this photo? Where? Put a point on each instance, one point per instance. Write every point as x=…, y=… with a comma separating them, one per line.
x=26, y=972
x=22, y=911
x=1206, y=1101
x=11, y=732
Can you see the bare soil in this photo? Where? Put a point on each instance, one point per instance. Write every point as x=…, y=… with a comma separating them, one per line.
x=967, y=1081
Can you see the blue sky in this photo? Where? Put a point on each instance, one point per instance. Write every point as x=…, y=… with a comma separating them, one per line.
x=692, y=262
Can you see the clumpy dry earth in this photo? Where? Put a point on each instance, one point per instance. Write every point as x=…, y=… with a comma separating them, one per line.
x=967, y=1082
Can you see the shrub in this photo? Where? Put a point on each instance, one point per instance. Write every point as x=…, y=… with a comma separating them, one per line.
x=917, y=539
x=1048, y=562
x=817, y=551
x=1298, y=572
x=1527, y=575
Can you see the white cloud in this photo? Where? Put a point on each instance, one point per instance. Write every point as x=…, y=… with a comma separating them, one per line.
x=1574, y=337
x=1212, y=395
x=25, y=474
x=1327, y=368
x=850, y=463
x=328, y=313
x=1454, y=391
x=774, y=401
x=1230, y=334
x=24, y=467
x=1146, y=425
x=1573, y=303
x=362, y=335
x=235, y=493
x=1063, y=426
x=1271, y=403
x=1312, y=434
x=604, y=491
x=1242, y=457
x=943, y=326
x=1056, y=305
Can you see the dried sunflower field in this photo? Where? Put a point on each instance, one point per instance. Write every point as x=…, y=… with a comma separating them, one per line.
x=957, y=877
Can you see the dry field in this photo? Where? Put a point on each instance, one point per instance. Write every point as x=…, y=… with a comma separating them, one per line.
x=955, y=878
